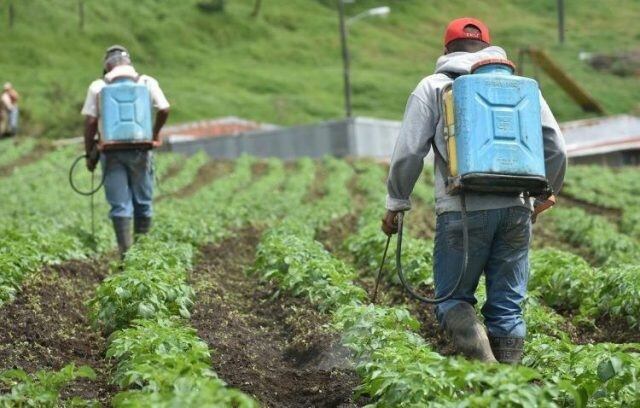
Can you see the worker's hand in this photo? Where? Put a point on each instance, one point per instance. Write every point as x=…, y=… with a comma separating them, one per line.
x=156, y=143
x=390, y=222
x=541, y=206
x=92, y=162
x=93, y=156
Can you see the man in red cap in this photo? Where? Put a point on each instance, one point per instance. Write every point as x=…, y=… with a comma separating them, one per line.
x=499, y=225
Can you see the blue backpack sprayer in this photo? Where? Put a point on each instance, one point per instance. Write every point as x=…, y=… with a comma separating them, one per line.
x=125, y=112
x=494, y=145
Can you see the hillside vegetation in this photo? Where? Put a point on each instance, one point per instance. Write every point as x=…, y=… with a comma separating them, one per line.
x=284, y=67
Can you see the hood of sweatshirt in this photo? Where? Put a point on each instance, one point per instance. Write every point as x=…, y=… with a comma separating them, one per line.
x=461, y=62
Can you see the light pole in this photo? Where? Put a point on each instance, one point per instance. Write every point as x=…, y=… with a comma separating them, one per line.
x=344, y=36
x=561, y=21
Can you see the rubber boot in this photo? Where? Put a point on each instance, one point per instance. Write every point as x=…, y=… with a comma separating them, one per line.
x=122, y=227
x=468, y=334
x=141, y=225
x=507, y=350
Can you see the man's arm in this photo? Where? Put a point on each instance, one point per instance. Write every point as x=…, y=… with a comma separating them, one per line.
x=6, y=101
x=555, y=157
x=90, y=148
x=162, y=105
x=555, y=152
x=161, y=119
x=412, y=146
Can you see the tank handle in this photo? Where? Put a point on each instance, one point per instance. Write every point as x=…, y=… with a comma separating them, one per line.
x=493, y=61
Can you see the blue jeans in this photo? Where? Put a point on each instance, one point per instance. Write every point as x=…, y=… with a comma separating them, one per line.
x=14, y=114
x=128, y=182
x=498, y=247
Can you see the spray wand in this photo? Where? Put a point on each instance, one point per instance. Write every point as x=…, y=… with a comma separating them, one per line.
x=412, y=292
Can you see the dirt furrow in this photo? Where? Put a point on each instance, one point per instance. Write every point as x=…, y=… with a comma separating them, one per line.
x=206, y=174
x=34, y=155
x=277, y=348
x=173, y=170
x=47, y=327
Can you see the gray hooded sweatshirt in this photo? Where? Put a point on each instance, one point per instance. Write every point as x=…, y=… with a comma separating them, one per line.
x=422, y=127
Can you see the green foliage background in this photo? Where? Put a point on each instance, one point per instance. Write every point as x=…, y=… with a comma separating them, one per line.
x=284, y=67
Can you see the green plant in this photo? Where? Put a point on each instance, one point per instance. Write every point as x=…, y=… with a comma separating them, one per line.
x=41, y=389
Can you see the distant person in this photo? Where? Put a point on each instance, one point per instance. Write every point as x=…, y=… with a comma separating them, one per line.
x=499, y=225
x=121, y=101
x=10, y=111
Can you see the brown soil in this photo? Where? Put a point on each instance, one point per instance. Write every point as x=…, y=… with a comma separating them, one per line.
x=337, y=232
x=172, y=170
x=606, y=329
x=206, y=174
x=317, y=190
x=47, y=327
x=614, y=330
x=34, y=155
x=612, y=214
x=276, y=348
x=259, y=168
x=421, y=221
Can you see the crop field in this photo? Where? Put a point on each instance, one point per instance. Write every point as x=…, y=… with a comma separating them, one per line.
x=253, y=289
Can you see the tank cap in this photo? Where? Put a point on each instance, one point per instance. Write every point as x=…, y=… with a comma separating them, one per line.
x=493, y=61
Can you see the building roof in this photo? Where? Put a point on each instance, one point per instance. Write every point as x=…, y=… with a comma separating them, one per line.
x=226, y=126
x=601, y=135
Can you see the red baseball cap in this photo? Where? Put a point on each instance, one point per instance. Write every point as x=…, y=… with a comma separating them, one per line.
x=459, y=29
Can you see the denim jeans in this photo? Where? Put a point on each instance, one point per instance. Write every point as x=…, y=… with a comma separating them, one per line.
x=499, y=242
x=14, y=114
x=128, y=182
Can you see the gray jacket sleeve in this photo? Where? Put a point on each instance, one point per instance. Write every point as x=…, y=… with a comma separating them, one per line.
x=412, y=146
x=555, y=152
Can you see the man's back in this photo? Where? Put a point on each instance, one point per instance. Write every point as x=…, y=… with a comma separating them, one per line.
x=423, y=127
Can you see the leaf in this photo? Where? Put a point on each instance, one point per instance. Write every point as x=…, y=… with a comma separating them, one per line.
x=608, y=368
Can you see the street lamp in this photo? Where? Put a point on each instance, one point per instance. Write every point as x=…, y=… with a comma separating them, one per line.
x=346, y=59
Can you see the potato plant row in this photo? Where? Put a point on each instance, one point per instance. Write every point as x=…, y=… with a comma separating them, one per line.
x=595, y=235
x=43, y=222
x=160, y=359
x=594, y=375
x=396, y=366
x=615, y=188
x=565, y=280
x=609, y=188
x=12, y=150
x=185, y=175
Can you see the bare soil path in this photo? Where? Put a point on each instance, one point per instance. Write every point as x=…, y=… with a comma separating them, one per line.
x=34, y=155
x=206, y=174
x=278, y=349
x=47, y=327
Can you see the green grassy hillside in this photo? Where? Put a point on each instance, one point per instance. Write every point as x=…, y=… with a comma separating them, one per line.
x=284, y=67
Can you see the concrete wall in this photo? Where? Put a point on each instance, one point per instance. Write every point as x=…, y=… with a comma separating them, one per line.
x=327, y=138
x=373, y=137
x=612, y=159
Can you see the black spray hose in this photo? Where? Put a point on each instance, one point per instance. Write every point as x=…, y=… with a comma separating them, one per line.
x=463, y=269
x=89, y=193
x=73, y=185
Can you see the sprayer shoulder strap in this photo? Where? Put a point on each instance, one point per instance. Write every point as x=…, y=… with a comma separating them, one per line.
x=135, y=79
x=439, y=149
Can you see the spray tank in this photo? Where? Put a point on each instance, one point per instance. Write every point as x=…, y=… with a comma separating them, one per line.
x=125, y=113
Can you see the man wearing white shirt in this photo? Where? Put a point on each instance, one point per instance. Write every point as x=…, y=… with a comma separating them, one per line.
x=128, y=171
